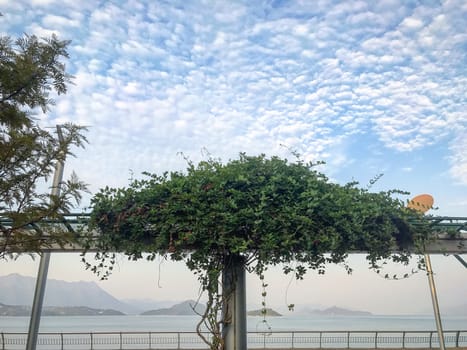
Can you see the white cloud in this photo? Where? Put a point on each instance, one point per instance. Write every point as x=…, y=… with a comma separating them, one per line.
x=43, y=2
x=228, y=12
x=458, y=158
x=411, y=23
x=59, y=21
x=42, y=32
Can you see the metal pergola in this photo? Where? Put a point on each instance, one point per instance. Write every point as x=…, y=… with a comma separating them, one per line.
x=451, y=238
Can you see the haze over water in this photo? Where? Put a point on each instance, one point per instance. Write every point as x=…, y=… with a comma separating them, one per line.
x=187, y=323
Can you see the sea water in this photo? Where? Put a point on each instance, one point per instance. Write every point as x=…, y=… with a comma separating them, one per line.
x=138, y=323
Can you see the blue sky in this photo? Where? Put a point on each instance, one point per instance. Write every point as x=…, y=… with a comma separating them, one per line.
x=369, y=87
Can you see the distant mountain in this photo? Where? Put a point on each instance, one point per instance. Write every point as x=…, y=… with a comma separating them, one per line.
x=19, y=290
x=183, y=308
x=338, y=311
x=269, y=312
x=15, y=310
x=149, y=304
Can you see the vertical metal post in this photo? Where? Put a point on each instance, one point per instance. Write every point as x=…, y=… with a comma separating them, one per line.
x=43, y=264
x=434, y=299
x=462, y=261
x=234, y=308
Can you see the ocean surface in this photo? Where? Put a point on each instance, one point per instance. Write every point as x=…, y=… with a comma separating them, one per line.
x=187, y=323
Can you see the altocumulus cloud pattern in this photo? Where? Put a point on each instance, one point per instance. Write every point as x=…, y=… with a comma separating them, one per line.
x=324, y=78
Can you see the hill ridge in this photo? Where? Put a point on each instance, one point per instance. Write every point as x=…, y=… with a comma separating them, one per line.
x=22, y=310
x=187, y=307
x=19, y=290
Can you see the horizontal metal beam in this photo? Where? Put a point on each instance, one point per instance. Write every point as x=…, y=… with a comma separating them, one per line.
x=450, y=236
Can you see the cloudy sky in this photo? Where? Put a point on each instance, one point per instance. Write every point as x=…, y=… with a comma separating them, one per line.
x=369, y=87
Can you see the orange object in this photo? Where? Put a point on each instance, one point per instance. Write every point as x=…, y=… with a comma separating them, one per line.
x=421, y=203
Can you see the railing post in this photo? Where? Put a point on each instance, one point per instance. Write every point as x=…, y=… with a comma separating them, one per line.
x=61, y=341
x=3, y=341
x=376, y=340
x=431, y=339
x=178, y=340
x=293, y=346
x=91, y=341
x=348, y=339
x=149, y=341
x=320, y=340
x=403, y=340
x=458, y=333
x=121, y=341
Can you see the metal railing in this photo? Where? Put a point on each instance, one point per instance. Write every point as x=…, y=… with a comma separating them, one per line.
x=256, y=340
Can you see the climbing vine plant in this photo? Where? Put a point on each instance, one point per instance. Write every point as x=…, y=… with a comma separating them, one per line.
x=267, y=211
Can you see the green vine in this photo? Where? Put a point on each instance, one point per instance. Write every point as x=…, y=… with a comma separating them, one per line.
x=266, y=328
x=265, y=211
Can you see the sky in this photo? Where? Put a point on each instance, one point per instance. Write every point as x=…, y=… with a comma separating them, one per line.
x=369, y=87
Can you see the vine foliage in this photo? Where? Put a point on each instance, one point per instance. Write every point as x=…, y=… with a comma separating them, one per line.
x=267, y=211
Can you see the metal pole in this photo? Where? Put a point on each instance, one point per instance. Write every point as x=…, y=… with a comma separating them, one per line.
x=234, y=309
x=44, y=264
x=434, y=299
x=462, y=261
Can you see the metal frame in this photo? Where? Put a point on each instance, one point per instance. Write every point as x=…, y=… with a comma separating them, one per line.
x=451, y=239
